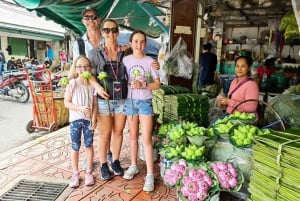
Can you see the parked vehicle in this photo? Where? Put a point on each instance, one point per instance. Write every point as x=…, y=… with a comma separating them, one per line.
x=12, y=85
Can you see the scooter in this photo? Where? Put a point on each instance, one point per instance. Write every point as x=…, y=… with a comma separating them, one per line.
x=12, y=85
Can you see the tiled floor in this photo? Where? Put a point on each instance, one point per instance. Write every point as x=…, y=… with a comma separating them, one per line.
x=48, y=158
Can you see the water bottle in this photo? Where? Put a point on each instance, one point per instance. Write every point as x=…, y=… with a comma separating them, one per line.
x=264, y=80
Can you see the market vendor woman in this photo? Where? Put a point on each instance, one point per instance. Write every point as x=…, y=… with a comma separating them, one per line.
x=241, y=88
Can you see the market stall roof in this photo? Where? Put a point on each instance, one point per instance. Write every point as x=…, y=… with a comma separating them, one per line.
x=243, y=13
x=130, y=14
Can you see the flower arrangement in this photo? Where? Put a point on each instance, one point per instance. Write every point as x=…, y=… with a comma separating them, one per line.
x=136, y=73
x=174, y=175
x=64, y=81
x=202, y=182
x=86, y=75
x=103, y=76
x=227, y=175
x=184, y=140
x=197, y=184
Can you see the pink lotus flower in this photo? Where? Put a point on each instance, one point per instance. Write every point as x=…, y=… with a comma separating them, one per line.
x=175, y=173
x=226, y=174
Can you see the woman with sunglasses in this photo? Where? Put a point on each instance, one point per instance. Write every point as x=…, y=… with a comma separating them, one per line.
x=111, y=118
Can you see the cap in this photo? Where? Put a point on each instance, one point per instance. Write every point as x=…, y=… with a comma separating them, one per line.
x=88, y=8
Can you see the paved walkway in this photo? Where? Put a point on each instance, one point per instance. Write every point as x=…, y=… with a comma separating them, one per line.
x=48, y=157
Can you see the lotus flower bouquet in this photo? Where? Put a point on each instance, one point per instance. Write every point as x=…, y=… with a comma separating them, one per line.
x=103, y=76
x=64, y=81
x=204, y=181
x=176, y=172
x=197, y=185
x=228, y=176
x=193, y=183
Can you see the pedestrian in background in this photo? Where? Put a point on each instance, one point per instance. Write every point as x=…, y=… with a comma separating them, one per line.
x=81, y=100
x=138, y=106
x=208, y=65
x=63, y=59
x=2, y=62
x=11, y=64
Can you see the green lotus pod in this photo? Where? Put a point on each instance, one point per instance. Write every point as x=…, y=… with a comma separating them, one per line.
x=86, y=75
x=102, y=75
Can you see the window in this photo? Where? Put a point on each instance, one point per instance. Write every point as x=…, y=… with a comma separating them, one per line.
x=18, y=46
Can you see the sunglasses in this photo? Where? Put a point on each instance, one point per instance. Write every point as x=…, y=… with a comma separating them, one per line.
x=87, y=66
x=90, y=17
x=112, y=30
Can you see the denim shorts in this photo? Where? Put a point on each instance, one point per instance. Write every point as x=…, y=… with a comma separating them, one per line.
x=138, y=107
x=116, y=106
x=76, y=128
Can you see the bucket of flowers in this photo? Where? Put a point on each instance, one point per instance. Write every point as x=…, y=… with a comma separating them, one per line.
x=202, y=182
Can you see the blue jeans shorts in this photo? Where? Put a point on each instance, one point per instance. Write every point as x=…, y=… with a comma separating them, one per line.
x=76, y=128
x=138, y=107
x=116, y=107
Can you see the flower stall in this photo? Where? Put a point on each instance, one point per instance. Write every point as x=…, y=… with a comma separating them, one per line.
x=221, y=152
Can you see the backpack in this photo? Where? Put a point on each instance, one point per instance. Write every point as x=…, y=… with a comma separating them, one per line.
x=81, y=46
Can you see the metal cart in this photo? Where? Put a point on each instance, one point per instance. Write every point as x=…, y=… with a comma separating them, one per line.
x=44, y=113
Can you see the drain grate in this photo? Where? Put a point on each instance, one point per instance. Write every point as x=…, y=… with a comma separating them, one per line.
x=27, y=190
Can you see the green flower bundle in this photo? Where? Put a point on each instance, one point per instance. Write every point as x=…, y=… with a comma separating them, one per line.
x=103, y=76
x=87, y=75
x=64, y=81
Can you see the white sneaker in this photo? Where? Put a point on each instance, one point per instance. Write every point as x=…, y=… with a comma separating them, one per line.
x=130, y=172
x=149, y=183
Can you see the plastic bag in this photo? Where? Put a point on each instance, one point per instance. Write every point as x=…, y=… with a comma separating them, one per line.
x=180, y=62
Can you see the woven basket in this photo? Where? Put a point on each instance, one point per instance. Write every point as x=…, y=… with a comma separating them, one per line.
x=62, y=113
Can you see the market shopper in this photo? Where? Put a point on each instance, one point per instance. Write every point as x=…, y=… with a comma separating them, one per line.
x=63, y=59
x=207, y=72
x=138, y=106
x=241, y=88
x=208, y=64
x=81, y=100
x=265, y=71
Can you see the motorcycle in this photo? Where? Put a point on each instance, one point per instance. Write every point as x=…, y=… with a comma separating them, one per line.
x=12, y=85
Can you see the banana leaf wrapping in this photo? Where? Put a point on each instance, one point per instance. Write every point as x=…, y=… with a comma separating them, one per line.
x=158, y=99
x=188, y=107
x=276, y=166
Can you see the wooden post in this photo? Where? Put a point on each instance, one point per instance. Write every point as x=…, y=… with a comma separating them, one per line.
x=184, y=20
